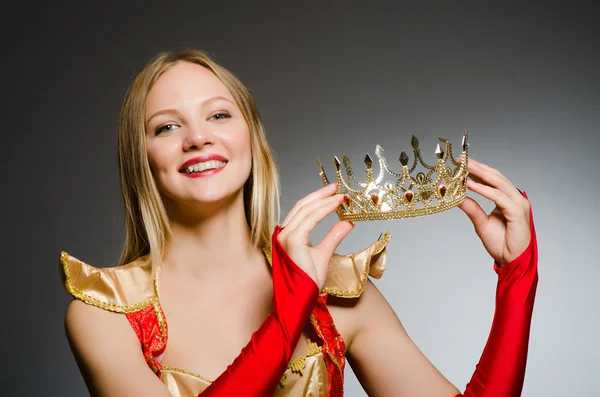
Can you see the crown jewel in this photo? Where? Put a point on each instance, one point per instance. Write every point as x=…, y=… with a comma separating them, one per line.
x=438, y=188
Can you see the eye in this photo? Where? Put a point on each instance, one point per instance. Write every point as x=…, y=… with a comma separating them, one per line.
x=166, y=128
x=220, y=116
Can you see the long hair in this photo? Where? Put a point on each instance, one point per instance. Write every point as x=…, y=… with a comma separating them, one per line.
x=147, y=226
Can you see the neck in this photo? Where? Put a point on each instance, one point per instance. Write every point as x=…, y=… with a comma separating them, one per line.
x=216, y=242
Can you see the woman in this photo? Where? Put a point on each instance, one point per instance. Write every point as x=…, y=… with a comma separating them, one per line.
x=245, y=310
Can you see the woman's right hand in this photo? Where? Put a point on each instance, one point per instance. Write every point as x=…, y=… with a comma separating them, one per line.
x=300, y=222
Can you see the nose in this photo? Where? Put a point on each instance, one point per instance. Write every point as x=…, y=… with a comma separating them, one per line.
x=197, y=138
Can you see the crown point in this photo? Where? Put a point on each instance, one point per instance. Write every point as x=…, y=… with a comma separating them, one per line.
x=444, y=140
x=465, y=141
x=439, y=153
x=368, y=161
x=403, y=158
x=336, y=163
x=346, y=161
x=414, y=142
x=379, y=151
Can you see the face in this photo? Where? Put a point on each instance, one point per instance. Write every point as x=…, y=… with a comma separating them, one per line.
x=198, y=143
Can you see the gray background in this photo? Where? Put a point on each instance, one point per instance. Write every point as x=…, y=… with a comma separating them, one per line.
x=329, y=78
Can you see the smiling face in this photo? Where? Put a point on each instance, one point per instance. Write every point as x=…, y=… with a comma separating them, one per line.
x=197, y=140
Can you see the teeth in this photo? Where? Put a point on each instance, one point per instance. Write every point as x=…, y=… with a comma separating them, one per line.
x=207, y=165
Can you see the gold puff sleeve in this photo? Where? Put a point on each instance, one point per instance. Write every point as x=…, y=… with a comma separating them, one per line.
x=121, y=289
x=347, y=275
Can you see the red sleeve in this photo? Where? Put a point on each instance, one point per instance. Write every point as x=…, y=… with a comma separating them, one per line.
x=260, y=365
x=501, y=368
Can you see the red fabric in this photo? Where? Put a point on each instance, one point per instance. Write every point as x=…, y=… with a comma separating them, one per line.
x=334, y=348
x=146, y=326
x=260, y=365
x=501, y=369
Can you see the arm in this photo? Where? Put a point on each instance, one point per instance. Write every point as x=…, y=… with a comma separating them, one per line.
x=384, y=358
x=387, y=362
x=501, y=369
x=108, y=353
x=509, y=236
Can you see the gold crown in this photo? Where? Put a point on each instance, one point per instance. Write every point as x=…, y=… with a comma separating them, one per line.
x=439, y=188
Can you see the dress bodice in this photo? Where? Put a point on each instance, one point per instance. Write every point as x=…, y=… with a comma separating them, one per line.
x=131, y=289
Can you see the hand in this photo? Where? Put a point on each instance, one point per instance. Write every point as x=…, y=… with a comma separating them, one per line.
x=301, y=220
x=505, y=232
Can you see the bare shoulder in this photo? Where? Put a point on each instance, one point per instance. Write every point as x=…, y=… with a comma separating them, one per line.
x=90, y=322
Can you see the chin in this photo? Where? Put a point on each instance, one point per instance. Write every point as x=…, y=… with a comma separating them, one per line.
x=214, y=196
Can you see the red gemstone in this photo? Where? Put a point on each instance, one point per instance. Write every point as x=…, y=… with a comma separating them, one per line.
x=375, y=199
x=347, y=200
x=442, y=190
x=408, y=196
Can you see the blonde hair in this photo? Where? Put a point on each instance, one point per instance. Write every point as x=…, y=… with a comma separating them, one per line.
x=147, y=226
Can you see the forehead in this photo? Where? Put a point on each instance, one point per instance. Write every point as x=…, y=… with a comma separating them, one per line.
x=184, y=84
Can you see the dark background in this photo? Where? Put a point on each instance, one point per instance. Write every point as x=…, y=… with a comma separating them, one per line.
x=329, y=77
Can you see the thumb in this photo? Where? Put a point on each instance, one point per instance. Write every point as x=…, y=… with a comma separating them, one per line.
x=334, y=237
x=475, y=213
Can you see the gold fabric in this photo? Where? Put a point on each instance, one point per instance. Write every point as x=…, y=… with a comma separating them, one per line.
x=121, y=289
x=312, y=381
x=131, y=287
x=347, y=275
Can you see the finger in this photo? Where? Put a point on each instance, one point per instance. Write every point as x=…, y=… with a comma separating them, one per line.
x=493, y=178
x=475, y=213
x=316, y=195
x=310, y=215
x=502, y=201
x=308, y=209
x=473, y=161
x=334, y=237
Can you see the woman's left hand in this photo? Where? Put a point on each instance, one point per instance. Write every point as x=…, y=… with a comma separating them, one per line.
x=505, y=232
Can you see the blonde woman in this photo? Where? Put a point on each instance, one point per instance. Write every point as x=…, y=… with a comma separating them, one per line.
x=213, y=298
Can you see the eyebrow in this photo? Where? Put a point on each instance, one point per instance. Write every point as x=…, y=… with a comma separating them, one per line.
x=175, y=111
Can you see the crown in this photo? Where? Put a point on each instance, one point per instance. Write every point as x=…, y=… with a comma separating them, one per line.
x=435, y=189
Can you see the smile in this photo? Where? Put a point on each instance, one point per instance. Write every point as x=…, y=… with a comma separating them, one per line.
x=204, y=166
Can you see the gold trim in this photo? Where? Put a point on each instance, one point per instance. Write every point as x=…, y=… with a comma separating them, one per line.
x=161, y=321
x=184, y=371
x=297, y=364
x=79, y=294
x=381, y=244
x=315, y=324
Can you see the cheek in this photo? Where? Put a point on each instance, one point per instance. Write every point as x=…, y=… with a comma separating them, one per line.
x=246, y=149
x=158, y=156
